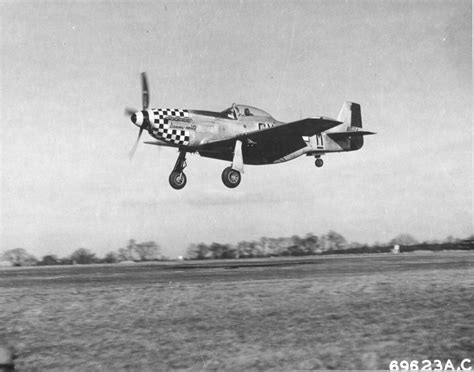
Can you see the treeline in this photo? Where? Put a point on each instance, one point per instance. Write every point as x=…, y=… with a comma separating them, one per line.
x=136, y=252
x=269, y=247
x=330, y=243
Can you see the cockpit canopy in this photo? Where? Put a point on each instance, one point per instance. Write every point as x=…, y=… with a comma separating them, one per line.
x=237, y=111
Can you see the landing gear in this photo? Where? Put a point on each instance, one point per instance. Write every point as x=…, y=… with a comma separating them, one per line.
x=319, y=162
x=177, y=178
x=231, y=177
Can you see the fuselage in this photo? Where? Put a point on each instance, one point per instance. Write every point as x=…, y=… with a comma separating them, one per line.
x=190, y=129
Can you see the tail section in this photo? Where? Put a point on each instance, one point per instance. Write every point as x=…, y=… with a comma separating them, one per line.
x=349, y=134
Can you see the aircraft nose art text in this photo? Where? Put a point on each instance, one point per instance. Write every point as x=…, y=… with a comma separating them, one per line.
x=165, y=125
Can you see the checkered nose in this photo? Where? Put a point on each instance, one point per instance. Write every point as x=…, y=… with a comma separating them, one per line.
x=137, y=118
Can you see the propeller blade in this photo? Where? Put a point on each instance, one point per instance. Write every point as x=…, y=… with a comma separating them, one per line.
x=131, y=154
x=134, y=148
x=129, y=111
x=145, y=92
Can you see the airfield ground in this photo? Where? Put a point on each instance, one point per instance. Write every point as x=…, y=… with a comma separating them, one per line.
x=337, y=312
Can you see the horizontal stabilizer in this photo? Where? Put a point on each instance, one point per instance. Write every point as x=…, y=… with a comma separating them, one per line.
x=349, y=134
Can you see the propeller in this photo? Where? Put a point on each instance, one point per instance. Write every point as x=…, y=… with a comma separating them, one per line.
x=132, y=113
x=145, y=92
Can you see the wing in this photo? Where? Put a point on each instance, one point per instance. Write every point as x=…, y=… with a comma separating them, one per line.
x=275, y=142
x=310, y=126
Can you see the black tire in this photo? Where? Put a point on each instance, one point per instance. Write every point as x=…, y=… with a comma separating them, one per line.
x=319, y=162
x=231, y=178
x=177, y=180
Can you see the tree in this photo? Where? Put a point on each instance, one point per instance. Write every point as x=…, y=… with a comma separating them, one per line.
x=269, y=246
x=249, y=249
x=312, y=244
x=49, y=260
x=124, y=254
x=134, y=251
x=128, y=253
x=403, y=239
x=147, y=251
x=333, y=241
x=295, y=246
x=83, y=256
x=198, y=252
x=19, y=257
x=65, y=261
x=191, y=252
x=111, y=257
x=221, y=251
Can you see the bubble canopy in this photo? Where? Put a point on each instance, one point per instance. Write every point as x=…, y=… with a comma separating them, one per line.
x=236, y=111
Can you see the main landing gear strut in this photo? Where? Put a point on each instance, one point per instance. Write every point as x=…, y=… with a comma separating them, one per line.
x=177, y=177
x=231, y=176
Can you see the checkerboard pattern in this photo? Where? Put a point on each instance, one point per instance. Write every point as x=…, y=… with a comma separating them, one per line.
x=162, y=129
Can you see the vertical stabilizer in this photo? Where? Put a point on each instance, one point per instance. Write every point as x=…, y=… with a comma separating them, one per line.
x=350, y=115
x=352, y=119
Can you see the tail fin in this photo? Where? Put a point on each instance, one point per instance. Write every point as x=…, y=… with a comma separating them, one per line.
x=352, y=122
x=350, y=115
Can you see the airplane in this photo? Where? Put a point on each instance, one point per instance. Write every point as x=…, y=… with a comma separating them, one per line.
x=244, y=134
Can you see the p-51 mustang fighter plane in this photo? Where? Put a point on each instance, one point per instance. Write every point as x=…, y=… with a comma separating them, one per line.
x=245, y=135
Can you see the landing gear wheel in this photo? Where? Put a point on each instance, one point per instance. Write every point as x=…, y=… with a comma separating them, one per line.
x=177, y=180
x=177, y=177
x=319, y=162
x=231, y=177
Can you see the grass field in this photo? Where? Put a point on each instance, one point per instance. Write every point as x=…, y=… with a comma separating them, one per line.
x=340, y=312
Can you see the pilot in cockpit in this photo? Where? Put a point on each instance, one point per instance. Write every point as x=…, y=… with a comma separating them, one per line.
x=247, y=112
x=233, y=112
x=236, y=110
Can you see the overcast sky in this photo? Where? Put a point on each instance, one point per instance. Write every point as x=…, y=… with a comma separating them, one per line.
x=69, y=69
